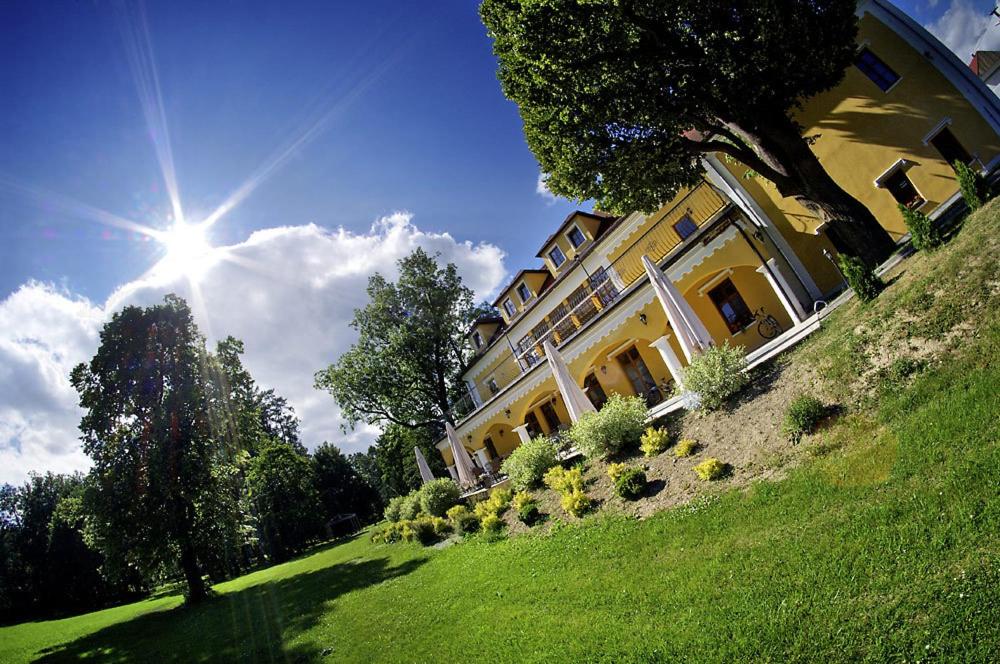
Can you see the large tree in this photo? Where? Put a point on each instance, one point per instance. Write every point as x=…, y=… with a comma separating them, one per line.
x=147, y=429
x=620, y=98
x=342, y=490
x=407, y=364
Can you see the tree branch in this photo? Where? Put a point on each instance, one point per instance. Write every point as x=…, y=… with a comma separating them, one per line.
x=744, y=155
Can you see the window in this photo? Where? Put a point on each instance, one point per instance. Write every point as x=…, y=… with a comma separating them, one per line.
x=730, y=304
x=592, y=388
x=551, y=418
x=903, y=190
x=509, y=307
x=685, y=227
x=874, y=68
x=949, y=147
x=523, y=292
x=576, y=237
x=557, y=256
x=639, y=376
x=491, y=384
x=491, y=448
x=477, y=339
x=534, y=428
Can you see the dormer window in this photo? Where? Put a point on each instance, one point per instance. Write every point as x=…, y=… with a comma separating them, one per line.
x=576, y=237
x=508, y=306
x=477, y=339
x=523, y=292
x=685, y=227
x=875, y=68
x=557, y=256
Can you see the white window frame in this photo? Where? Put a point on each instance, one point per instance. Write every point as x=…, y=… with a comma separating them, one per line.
x=563, y=255
x=582, y=234
x=507, y=309
x=946, y=122
x=523, y=285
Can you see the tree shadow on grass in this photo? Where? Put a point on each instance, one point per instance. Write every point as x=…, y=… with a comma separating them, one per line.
x=250, y=625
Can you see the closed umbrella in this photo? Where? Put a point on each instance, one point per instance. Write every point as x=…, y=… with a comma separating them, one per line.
x=575, y=399
x=463, y=462
x=691, y=333
x=425, y=471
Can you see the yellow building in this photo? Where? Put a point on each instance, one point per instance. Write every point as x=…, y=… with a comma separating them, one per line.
x=750, y=264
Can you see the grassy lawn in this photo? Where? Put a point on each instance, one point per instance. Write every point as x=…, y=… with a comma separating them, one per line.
x=885, y=545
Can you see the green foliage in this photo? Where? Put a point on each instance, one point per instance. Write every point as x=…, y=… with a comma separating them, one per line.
x=393, y=511
x=529, y=513
x=492, y=524
x=615, y=470
x=972, y=185
x=495, y=505
x=528, y=462
x=710, y=469
x=438, y=496
x=716, y=375
x=575, y=503
x=564, y=481
x=630, y=483
x=861, y=278
x=803, y=414
x=685, y=447
x=654, y=441
x=924, y=235
x=341, y=489
x=463, y=521
x=615, y=428
x=409, y=507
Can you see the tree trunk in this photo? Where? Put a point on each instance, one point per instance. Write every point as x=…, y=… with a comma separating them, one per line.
x=197, y=590
x=800, y=175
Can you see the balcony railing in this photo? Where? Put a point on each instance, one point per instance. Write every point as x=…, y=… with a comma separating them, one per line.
x=598, y=290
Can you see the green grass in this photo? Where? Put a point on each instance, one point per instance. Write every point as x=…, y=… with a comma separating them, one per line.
x=885, y=546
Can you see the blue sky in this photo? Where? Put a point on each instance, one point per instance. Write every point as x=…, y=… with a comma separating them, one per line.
x=379, y=126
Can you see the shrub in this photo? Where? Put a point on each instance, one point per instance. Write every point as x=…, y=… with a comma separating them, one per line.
x=654, y=441
x=522, y=498
x=387, y=534
x=501, y=499
x=685, y=447
x=528, y=513
x=972, y=184
x=492, y=524
x=575, y=502
x=863, y=280
x=924, y=234
x=527, y=464
x=419, y=530
x=437, y=496
x=441, y=526
x=630, y=483
x=462, y=520
x=393, y=508
x=409, y=507
x=804, y=413
x=564, y=481
x=616, y=427
x=616, y=469
x=710, y=469
x=717, y=374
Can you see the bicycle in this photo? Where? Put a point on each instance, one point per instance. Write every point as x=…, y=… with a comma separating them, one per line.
x=767, y=325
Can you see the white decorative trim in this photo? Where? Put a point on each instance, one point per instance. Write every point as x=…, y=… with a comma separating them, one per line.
x=619, y=348
x=714, y=280
x=517, y=289
x=936, y=130
x=898, y=165
x=576, y=249
x=688, y=263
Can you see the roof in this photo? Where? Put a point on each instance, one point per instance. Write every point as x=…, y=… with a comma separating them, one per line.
x=596, y=214
x=517, y=277
x=484, y=320
x=984, y=62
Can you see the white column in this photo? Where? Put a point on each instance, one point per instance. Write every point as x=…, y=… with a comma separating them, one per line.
x=484, y=459
x=792, y=307
x=670, y=359
x=453, y=473
x=522, y=433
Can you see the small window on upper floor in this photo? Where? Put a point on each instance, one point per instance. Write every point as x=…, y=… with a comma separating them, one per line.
x=903, y=190
x=576, y=237
x=477, y=339
x=523, y=292
x=685, y=227
x=875, y=68
x=557, y=256
x=508, y=306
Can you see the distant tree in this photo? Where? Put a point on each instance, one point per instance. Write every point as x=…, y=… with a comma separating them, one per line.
x=281, y=488
x=396, y=464
x=147, y=428
x=341, y=489
x=406, y=366
x=620, y=99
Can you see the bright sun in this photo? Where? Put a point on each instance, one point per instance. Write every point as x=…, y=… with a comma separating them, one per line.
x=188, y=252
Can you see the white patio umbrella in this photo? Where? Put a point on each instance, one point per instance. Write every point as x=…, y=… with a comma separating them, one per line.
x=575, y=399
x=425, y=471
x=691, y=333
x=463, y=462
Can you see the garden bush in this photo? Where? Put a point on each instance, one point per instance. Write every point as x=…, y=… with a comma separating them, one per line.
x=526, y=507
x=803, y=414
x=564, y=481
x=522, y=498
x=630, y=483
x=438, y=496
x=615, y=428
x=716, y=375
x=575, y=502
x=972, y=185
x=710, y=469
x=492, y=524
x=393, y=508
x=527, y=464
x=654, y=441
x=387, y=534
x=616, y=469
x=409, y=508
x=685, y=447
x=924, y=234
x=862, y=280
x=495, y=505
x=441, y=526
x=462, y=520
x=419, y=530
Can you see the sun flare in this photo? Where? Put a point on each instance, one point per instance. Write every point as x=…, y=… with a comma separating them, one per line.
x=188, y=251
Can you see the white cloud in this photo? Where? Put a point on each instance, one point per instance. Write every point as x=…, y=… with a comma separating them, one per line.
x=960, y=27
x=287, y=292
x=542, y=190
